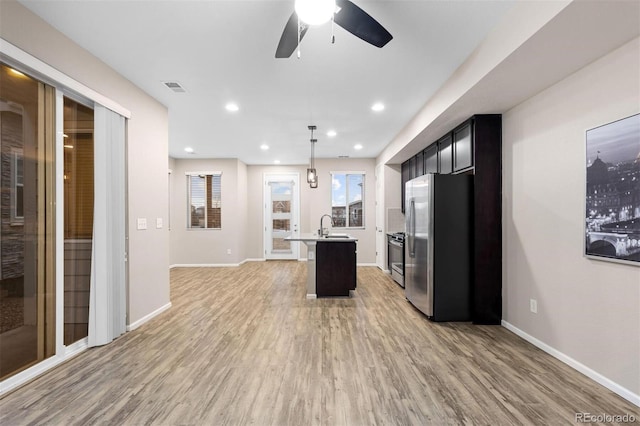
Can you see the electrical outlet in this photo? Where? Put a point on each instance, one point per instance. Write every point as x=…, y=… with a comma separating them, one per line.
x=228, y=251
x=533, y=305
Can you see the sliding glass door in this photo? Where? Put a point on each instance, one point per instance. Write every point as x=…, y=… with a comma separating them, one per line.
x=27, y=200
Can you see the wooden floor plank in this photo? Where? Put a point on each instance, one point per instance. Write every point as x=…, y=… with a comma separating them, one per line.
x=244, y=346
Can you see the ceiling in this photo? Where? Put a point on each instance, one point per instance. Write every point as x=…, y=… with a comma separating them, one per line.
x=224, y=51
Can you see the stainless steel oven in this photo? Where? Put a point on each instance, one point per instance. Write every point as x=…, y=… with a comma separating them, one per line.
x=395, y=256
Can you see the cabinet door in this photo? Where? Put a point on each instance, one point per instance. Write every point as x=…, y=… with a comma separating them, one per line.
x=335, y=268
x=412, y=167
x=445, y=156
x=431, y=159
x=404, y=178
x=463, y=147
x=419, y=164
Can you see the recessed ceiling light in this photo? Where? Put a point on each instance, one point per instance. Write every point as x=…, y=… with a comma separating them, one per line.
x=231, y=107
x=264, y=147
x=358, y=146
x=276, y=161
x=378, y=106
x=189, y=150
x=331, y=133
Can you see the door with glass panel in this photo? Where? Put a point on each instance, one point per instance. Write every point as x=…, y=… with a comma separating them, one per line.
x=281, y=194
x=27, y=276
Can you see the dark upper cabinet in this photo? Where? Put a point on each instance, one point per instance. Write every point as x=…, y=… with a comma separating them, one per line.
x=412, y=167
x=419, y=164
x=405, y=176
x=431, y=159
x=445, y=157
x=463, y=147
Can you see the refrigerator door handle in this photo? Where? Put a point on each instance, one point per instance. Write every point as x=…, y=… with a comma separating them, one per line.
x=412, y=223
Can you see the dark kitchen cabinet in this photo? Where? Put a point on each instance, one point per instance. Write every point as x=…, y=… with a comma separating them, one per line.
x=445, y=155
x=487, y=168
x=419, y=168
x=335, y=268
x=405, y=176
x=431, y=159
x=463, y=147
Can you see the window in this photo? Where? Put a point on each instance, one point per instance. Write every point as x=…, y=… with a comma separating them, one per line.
x=17, y=181
x=347, y=199
x=204, y=194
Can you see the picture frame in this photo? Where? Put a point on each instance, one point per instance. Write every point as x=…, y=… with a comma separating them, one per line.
x=612, y=196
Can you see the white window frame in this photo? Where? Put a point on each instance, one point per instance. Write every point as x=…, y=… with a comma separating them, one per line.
x=348, y=218
x=215, y=202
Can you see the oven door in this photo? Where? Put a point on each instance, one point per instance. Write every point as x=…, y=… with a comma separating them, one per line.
x=396, y=260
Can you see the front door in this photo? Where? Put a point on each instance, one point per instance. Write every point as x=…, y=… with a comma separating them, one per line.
x=281, y=215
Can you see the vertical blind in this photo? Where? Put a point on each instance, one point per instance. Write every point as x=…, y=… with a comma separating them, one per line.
x=107, y=304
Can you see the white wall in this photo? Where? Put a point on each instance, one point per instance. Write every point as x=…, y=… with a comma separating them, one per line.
x=587, y=309
x=147, y=149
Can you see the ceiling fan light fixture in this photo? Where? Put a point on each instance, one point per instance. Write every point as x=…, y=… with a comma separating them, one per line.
x=315, y=12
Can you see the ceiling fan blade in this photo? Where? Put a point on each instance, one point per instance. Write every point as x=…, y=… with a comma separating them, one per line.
x=289, y=40
x=361, y=24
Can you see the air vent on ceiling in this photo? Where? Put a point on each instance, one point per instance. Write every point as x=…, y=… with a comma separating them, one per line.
x=343, y=156
x=175, y=86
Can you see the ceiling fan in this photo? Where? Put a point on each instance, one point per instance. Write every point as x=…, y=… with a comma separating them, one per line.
x=344, y=13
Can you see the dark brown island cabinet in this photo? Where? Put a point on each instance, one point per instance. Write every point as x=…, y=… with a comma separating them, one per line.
x=474, y=147
x=335, y=268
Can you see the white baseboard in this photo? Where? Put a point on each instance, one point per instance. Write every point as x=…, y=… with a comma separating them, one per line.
x=213, y=265
x=312, y=296
x=148, y=317
x=367, y=264
x=204, y=265
x=592, y=374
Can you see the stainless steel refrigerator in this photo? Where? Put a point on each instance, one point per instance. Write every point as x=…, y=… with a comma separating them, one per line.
x=438, y=245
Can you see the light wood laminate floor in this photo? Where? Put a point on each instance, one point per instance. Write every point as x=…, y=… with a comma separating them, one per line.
x=244, y=346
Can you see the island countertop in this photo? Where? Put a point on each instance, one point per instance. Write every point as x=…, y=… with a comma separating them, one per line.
x=308, y=237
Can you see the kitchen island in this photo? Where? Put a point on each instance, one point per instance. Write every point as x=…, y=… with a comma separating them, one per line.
x=331, y=264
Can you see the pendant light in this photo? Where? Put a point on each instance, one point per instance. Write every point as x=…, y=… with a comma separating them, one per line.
x=312, y=175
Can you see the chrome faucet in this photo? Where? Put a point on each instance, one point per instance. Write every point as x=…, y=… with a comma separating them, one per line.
x=320, y=231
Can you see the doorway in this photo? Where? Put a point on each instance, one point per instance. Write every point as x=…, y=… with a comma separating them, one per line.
x=281, y=215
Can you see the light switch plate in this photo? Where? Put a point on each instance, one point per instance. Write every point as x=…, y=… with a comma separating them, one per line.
x=159, y=223
x=142, y=223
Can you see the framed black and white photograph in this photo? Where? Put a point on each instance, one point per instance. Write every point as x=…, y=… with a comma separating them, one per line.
x=613, y=191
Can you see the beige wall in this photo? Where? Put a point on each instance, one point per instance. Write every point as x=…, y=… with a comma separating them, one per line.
x=208, y=246
x=147, y=149
x=242, y=210
x=587, y=309
x=314, y=203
